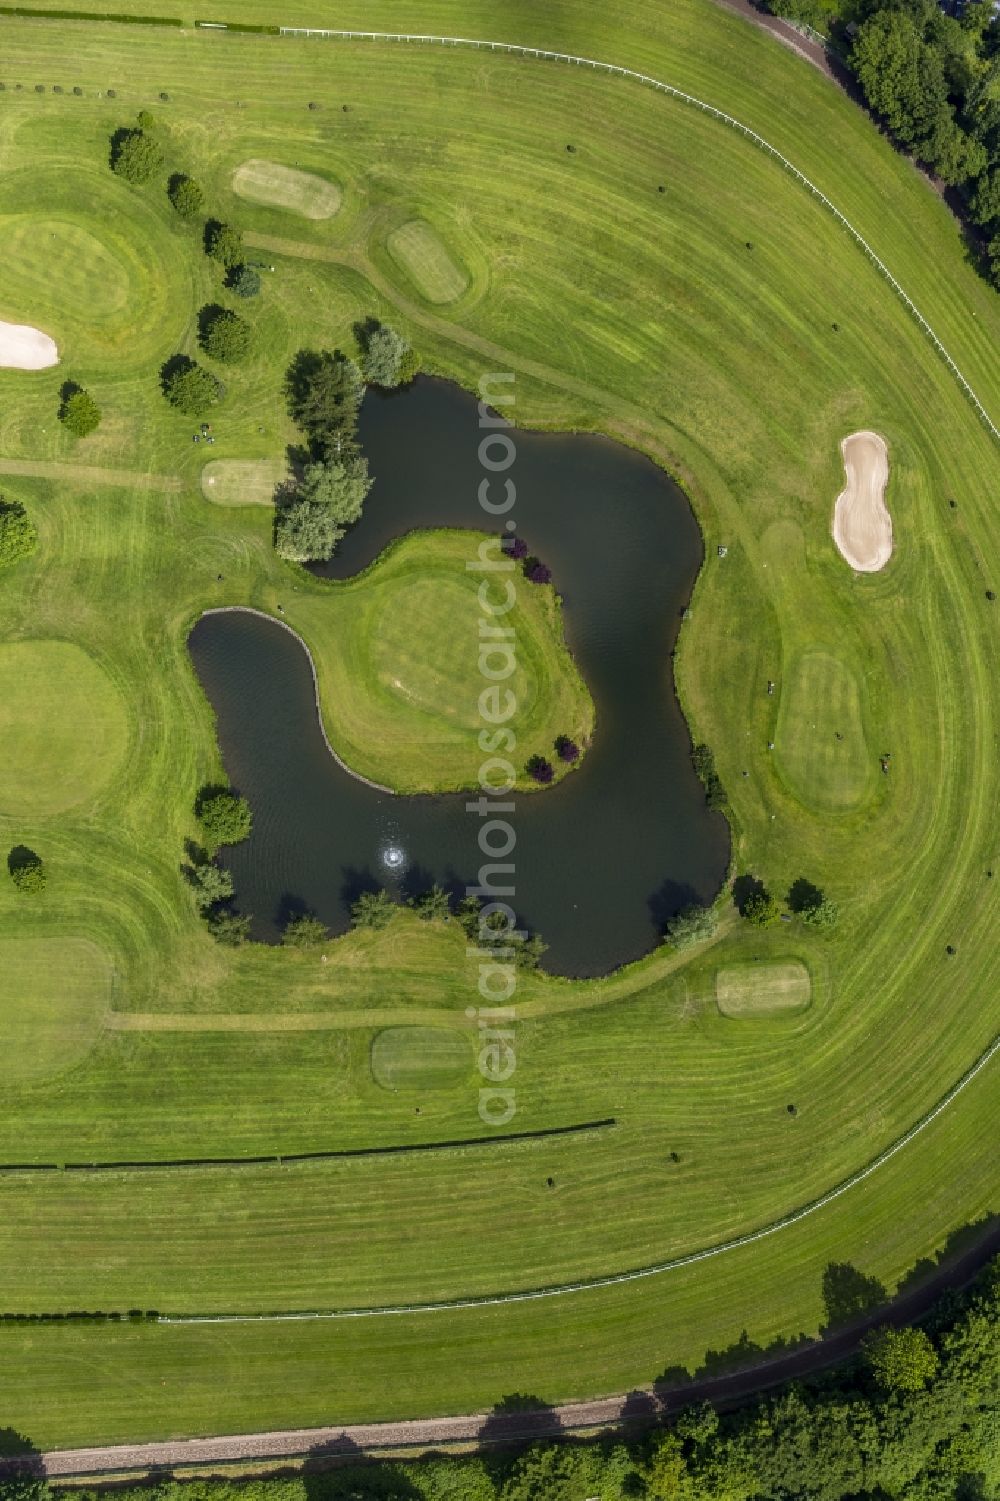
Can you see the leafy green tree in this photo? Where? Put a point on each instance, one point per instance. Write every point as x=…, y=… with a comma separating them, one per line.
x=902, y=78
x=224, y=243
x=691, y=925
x=226, y=336
x=340, y=484
x=985, y=206
x=189, y=387
x=324, y=393
x=145, y=121
x=528, y=951
x=384, y=352
x=186, y=196
x=433, y=905
x=224, y=816
x=230, y=928
x=18, y=537
x=304, y=533
x=244, y=281
x=761, y=909
x=26, y=870
x=902, y=1360
x=373, y=909
x=79, y=412
x=824, y=915
x=304, y=932
x=210, y=884
x=135, y=156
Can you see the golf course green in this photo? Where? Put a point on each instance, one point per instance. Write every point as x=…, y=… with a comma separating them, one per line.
x=668, y=283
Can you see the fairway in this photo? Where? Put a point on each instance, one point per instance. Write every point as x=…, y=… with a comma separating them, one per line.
x=765, y=989
x=419, y=250
x=420, y=1058
x=63, y=728
x=242, y=482
x=820, y=746
x=285, y=187
x=54, y=995
x=729, y=328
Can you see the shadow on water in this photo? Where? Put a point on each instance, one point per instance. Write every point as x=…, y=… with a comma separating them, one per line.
x=604, y=858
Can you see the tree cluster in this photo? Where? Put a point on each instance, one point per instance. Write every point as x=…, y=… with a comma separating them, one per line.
x=324, y=394
x=934, y=79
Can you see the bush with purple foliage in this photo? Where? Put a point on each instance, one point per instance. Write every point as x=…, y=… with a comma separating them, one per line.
x=515, y=547
x=537, y=572
x=539, y=769
x=567, y=749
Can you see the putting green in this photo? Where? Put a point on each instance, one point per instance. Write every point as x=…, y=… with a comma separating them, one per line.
x=304, y=193
x=754, y=990
x=419, y=251
x=242, y=482
x=820, y=746
x=63, y=728
x=420, y=1058
x=89, y=273
x=54, y=993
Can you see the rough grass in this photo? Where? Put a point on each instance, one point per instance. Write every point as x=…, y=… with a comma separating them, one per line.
x=278, y=186
x=63, y=728
x=54, y=994
x=642, y=314
x=770, y=989
x=420, y=1058
x=423, y=255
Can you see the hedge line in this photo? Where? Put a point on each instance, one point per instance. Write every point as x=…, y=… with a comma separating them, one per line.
x=275, y=1159
x=50, y=14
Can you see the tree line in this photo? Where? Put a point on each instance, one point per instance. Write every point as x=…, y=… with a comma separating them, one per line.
x=933, y=79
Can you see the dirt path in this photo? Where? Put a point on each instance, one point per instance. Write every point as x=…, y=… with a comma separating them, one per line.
x=81, y=474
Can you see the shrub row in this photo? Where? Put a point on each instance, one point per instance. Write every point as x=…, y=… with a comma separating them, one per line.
x=82, y=1316
x=51, y=14
x=704, y=765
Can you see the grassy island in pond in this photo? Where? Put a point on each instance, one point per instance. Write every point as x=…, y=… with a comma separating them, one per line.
x=399, y=656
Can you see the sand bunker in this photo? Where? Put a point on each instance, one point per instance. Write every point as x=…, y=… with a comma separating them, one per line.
x=862, y=527
x=286, y=187
x=26, y=348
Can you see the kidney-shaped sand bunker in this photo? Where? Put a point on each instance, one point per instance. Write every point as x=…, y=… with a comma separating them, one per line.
x=862, y=526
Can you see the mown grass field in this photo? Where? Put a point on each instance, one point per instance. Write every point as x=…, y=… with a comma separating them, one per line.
x=642, y=314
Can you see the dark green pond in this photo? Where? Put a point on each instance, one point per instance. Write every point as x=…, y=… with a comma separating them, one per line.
x=602, y=859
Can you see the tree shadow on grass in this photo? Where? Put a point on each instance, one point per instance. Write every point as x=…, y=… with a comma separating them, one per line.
x=21, y=1468
x=338, y=1470
x=849, y=1294
x=744, y=887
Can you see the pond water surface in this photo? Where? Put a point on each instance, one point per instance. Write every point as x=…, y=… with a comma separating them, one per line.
x=603, y=858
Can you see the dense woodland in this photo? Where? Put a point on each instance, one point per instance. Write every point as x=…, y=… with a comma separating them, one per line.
x=932, y=76
x=915, y=1416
